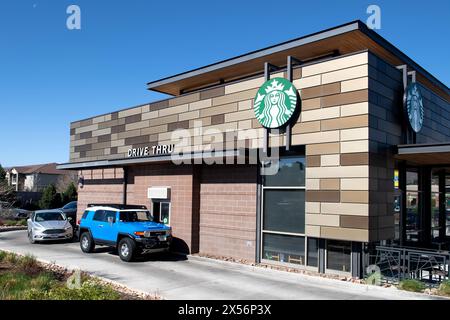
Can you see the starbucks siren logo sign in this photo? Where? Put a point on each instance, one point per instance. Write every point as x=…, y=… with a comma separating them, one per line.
x=275, y=102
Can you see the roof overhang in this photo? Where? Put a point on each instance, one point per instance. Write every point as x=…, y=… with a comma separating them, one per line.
x=425, y=154
x=345, y=39
x=216, y=155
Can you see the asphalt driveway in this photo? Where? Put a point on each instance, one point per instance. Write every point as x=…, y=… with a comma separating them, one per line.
x=175, y=277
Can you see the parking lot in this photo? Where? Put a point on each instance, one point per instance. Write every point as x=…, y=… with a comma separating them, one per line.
x=177, y=277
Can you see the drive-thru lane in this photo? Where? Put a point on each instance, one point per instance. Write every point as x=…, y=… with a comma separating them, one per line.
x=174, y=277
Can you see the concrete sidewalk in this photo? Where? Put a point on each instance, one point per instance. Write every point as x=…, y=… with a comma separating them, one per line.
x=174, y=277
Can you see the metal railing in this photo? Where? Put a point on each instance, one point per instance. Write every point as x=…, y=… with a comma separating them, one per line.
x=393, y=264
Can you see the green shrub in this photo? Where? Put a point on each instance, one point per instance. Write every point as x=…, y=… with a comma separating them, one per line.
x=444, y=288
x=90, y=290
x=28, y=265
x=22, y=222
x=2, y=255
x=10, y=223
x=11, y=258
x=412, y=285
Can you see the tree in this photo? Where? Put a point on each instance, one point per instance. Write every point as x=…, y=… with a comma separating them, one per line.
x=70, y=194
x=2, y=174
x=50, y=198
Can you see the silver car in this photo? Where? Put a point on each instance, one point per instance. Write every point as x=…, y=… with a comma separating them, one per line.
x=44, y=225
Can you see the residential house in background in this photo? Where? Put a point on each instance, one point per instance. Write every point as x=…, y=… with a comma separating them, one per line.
x=30, y=181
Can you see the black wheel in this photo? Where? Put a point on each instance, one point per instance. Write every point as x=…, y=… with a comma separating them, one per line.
x=30, y=237
x=127, y=249
x=87, y=244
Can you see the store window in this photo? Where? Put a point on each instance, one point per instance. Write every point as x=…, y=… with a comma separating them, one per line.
x=161, y=212
x=447, y=206
x=283, y=248
x=283, y=212
x=313, y=252
x=435, y=227
x=339, y=255
x=412, y=207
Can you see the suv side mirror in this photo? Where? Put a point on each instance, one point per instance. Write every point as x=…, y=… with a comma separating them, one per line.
x=69, y=219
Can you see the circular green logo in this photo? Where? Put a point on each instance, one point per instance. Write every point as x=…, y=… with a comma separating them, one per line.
x=275, y=102
x=414, y=106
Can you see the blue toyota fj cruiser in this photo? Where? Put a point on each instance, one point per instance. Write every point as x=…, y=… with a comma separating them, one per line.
x=130, y=229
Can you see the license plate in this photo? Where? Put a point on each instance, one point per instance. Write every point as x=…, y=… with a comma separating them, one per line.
x=162, y=238
x=54, y=236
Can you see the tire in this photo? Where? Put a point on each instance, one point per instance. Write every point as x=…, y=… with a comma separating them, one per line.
x=127, y=249
x=30, y=237
x=87, y=244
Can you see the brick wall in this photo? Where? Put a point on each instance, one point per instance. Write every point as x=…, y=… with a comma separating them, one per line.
x=228, y=211
x=180, y=179
x=101, y=186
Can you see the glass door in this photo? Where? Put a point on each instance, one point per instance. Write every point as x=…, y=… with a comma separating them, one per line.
x=413, y=219
x=447, y=205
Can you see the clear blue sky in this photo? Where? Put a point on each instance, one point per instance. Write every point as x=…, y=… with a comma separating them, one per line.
x=50, y=76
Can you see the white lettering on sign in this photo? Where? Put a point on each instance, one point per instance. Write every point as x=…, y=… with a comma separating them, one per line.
x=155, y=150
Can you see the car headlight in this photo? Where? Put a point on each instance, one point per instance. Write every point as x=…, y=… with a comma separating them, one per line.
x=68, y=227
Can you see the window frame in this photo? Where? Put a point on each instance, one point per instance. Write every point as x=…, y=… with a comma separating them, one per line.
x=261, y=228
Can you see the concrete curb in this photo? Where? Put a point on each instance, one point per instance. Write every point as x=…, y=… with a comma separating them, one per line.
x=345, y=284
x=13, y=229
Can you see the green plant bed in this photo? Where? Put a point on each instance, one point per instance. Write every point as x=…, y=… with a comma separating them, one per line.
x=412, y=285
x=444, y=288
x=23, y=278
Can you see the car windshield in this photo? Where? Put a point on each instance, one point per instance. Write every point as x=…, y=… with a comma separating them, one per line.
x=49, y=216
x=135, y=216
x=70, y=205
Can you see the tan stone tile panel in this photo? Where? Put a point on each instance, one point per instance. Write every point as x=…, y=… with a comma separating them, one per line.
x=218, y=119
x=353, y=159
x=235, y=97
x=320, y=114
x=212, y=93
x=312, y=161
x=345, y=122
x=305, y=127
x=346, y=74
x=130, y=112
x=329, y=184
x=345, y=98
x=355, y=184
x=227, y=108
x=322, y=220
x=188, y=98
x=354, y=109
x=310, y=104
x=355, y=196
x=353, y=209
x=354, y=222
x=308, y=82
x=338, y=172
x=336, y=64
x=322, y=195
x=323, y=148
x=320, y=91
x=344, y=234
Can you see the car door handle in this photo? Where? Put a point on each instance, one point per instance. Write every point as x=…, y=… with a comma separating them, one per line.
x=100, y=226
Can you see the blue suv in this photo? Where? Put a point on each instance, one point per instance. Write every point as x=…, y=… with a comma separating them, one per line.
x=130, y=229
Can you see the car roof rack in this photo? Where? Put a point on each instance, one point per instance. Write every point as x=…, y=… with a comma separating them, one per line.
x=117, y=206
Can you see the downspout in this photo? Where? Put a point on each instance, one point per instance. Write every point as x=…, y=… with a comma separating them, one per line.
x=125, y=178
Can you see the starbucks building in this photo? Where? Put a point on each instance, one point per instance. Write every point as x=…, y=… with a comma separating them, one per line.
x=311, y=153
